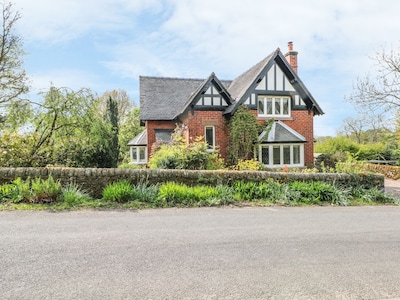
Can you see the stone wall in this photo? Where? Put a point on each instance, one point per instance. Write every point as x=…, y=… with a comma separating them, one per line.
x=94, y=180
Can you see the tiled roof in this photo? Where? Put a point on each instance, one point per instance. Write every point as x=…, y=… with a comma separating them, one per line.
x=281, y=133
x=139, y=140
x=241, y=84
x=164, y=98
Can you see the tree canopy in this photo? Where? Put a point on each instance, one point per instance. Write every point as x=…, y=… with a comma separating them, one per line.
x=13, y=78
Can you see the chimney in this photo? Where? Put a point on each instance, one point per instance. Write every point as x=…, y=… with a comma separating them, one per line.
x=291, y=57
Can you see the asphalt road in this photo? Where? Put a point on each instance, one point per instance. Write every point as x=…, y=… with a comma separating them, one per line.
x=203, y=253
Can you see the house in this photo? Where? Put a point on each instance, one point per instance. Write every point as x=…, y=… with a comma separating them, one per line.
x=271, y=89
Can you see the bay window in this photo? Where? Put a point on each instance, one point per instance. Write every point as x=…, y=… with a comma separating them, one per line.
x=279, y=155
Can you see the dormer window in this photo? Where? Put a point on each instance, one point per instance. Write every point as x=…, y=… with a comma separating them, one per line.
x=272, y=106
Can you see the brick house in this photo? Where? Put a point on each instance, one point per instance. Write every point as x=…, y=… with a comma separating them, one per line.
x=271, y=89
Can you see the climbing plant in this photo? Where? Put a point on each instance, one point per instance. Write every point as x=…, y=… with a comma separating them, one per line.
x=243, y=134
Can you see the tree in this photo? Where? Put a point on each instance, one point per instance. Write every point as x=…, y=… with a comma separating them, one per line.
x=13, y=79
x=381, y=92
x=124, y=103
x=243, y=135
x=111, y=117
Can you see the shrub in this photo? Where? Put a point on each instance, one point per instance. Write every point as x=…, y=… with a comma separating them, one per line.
x=72, y=194
x=121, y=191
x=248, y=191
x=173, y=194
x=146, y=193
x=319, y=192
x=9, y=193
x=248, y=164
x=45, y=191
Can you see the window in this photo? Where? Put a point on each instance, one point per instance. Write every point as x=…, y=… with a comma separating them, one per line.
x=163, y=134
x=282, y=155
x=269, y=106
x=139, y=155
x=210, y=137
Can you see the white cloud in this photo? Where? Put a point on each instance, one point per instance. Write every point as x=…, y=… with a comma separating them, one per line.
x=63, y=20
x=192, y=38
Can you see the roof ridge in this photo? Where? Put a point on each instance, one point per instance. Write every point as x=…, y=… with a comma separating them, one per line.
x=172, y=78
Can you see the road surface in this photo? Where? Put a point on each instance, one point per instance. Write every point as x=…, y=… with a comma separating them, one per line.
x=202, y=253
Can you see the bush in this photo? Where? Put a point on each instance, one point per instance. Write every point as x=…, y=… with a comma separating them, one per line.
x=146, y=193
x=72, y=194
x=319, y=193
x=173, y=194
x=45, y=191
x=249, y=191
x=9, y=193
x=248, y=164
x=121, y=191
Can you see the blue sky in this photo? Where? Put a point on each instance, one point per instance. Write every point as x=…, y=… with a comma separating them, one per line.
x=107, y=44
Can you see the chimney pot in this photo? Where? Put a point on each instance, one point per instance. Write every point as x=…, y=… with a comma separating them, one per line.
x=290, y=46
x=291, y=57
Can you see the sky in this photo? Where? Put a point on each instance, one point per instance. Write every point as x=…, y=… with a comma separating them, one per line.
x=107, y=44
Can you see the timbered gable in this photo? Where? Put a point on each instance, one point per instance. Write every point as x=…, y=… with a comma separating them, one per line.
x=274, y=82
x=211, y=97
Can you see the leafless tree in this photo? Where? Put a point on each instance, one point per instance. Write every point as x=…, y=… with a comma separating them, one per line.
x=382, y=91
x=124, y=103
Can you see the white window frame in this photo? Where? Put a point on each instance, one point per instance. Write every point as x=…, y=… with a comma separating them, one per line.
x=138, y=160
x=264, y=99
x=210, y=147
x=281, y=147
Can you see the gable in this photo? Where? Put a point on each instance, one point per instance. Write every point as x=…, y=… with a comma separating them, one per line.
x=273, y=81
x=271, y=76
x=210, y=97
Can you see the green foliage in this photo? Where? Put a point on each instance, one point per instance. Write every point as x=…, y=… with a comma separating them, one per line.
x=248, y=164
x=173, y=194
x=179, y=155
x=129, y=166
x=15, y=149
x=9, y=193
x=13, y=78
x=243, y=134
x=319, y=192
x=45, y=190
x=129, y=128
x=146, y=193
x=73, y=195
x=121, y=191
x=250, y=191
x=111, y=116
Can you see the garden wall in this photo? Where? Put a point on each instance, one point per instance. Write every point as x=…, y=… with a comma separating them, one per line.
x=95, y=179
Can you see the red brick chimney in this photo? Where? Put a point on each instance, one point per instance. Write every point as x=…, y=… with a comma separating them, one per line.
x=291, y=57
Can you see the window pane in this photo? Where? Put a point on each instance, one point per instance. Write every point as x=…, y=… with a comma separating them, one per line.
x=277, y=155
x=269, y=106
x=261, y=107
x=296, y=154
x=217, y=101
x=277, y=106
x=210, y=137
x=265, y=155
x=285, y=105
x=134, y=153
x=163, y=135
x=142, y=155
x=286, y=155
